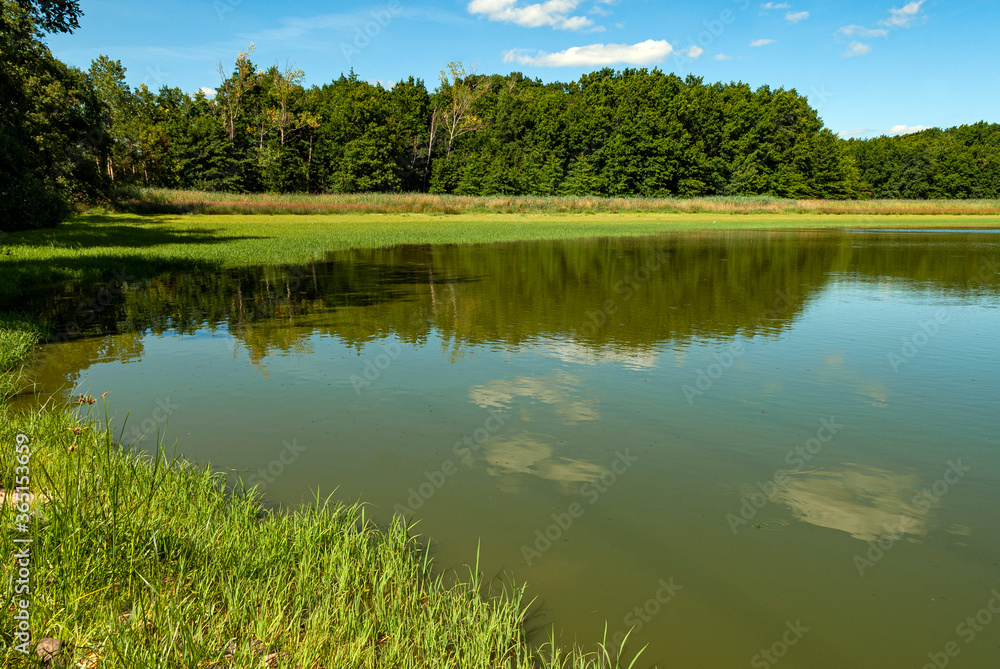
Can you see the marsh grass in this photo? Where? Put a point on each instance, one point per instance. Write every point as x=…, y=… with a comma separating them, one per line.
x=19, y=335
x=164, y=201
x=152, y=561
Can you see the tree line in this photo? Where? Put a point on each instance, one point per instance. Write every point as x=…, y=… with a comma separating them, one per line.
x=71, y=136
x=958, y=163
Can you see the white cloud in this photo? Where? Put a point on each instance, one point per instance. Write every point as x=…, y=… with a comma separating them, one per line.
x=795, y=17
x=854, y=132
x=722, y=56
x=299, y=29
x=856, y=49
x=601, y=11
x=695, y=52
x=293, y=27
x=775, y=5
x=553, y=13
x=762, y=42
x=649, y=52
x=904, y=17
x=861, y=31
x=207, y=92
x=894, y=130
x=906, y=129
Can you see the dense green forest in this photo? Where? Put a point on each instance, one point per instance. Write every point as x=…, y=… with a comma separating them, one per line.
x=960, y=163
x=70, y=137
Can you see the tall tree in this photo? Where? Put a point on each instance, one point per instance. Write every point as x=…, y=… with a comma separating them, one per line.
x=234, y=88
x=459, y=92
x=107, y=78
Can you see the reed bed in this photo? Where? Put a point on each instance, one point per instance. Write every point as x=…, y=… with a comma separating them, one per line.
x=162, y=201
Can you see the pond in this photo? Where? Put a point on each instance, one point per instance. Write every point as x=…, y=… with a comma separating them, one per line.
x=754, y=448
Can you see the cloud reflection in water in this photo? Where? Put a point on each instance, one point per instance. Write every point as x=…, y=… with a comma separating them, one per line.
x=866, y=503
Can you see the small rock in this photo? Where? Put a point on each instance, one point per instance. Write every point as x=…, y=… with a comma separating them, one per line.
x=50, y=651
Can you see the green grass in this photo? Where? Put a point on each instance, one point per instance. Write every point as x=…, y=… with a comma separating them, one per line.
x=142, y=561
x=19, y=335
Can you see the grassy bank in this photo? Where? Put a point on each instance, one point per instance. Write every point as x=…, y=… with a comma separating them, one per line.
x=163, y=201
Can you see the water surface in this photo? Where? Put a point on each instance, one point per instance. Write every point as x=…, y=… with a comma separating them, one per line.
x=733, y=442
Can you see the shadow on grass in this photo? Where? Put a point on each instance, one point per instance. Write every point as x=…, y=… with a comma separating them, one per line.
x=110, y=247
x=93, y=231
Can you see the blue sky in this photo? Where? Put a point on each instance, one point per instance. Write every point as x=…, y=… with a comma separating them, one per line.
x=868, y=67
